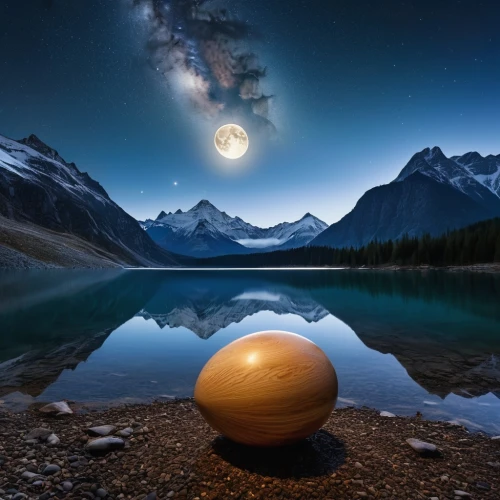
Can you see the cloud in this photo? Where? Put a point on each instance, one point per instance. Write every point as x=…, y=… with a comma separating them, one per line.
x=202, y=55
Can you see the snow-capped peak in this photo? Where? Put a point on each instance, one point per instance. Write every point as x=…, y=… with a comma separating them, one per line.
x=204, y=218
x=471, y=173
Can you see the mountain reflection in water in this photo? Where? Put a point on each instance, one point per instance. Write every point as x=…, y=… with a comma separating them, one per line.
x=442, y=328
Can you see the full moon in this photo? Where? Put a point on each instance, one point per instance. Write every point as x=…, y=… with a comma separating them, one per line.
x=231, y=141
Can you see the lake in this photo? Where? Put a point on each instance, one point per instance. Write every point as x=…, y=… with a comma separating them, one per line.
x=400, y=341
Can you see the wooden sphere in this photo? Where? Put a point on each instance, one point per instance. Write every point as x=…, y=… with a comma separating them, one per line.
x=267, y=389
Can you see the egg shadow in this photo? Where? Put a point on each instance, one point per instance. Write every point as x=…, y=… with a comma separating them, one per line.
x=318, y=455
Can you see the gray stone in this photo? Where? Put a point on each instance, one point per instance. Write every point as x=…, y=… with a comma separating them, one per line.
x=73, y=458
x=60, y=408
x=26, y=475
x=45, y=496
x=67, y=486
x=51, y=469
x=101, y=430
x=151, y=496
x=53, y=440
x=483, y=485
x=105, y=444
x=39, y=433
x=127, y=432
x=495, y=465
x=387, y=414
x=462, y=494
x=170, y=494
x=101, y=493
x=19, y=496
x=423, y=448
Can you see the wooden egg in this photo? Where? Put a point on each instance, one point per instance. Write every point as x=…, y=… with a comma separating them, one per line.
x=267, y=389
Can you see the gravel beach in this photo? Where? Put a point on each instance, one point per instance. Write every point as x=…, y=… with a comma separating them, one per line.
x=166, y=450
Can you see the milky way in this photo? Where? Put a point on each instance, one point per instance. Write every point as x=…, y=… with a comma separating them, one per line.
x=202, y=54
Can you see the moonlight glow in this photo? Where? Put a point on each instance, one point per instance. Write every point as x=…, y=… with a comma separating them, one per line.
x=231, y=141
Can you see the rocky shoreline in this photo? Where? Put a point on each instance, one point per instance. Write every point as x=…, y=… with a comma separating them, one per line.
x=166, y=450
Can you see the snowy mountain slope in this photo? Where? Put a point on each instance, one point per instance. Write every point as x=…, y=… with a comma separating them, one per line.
x=460, y=173
x=432, y=194
x=37, y=186
x=485, y=170
x=205, y=231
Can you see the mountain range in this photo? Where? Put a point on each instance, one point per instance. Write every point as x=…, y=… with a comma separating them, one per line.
x=205, y=231
x=432, y=194
x=53, y=214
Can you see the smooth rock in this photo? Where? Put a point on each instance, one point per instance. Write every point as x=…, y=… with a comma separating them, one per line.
x=105, y=444
x=462, y=494
x=60, y=408
x=101, y=430
x=40, y=433
x=423, y=448
x=387, y=414
x=127, y=432
x=53, y=440
x=19, y=496
x=29, y=475
x=101, y=493
x=151, y=496
x=67, y=486
x=495, y=465
x=483, y=485
x=51, y=469
x=45, y=496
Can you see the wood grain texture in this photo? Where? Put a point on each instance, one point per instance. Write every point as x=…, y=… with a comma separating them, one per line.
x=267, y=389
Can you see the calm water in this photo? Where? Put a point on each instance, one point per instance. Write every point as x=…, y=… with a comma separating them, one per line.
x=402, y=342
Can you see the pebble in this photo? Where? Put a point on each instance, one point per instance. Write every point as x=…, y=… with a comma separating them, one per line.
x=51, y=470
x=423, y=448
x=387, y=414
x=483, y=485
x=462, y=494
x=53, y=440
x=151, y=496
x=101, y=493
x=39, y=433
x=495, y=465
x=105, y=444
x=29, y=475
x=60, y=408
x=125, y=432
x=67, y=486
x=101, y=430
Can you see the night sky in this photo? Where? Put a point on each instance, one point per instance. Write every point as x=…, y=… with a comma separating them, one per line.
x=358, y=88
